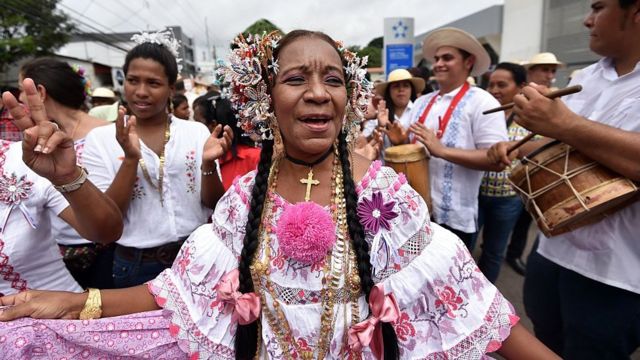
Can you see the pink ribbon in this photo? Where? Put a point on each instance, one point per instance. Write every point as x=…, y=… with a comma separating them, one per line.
x=246, y=306
x=384, y=308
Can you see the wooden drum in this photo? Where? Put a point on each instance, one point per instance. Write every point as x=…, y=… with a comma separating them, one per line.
x=564, y=190
x=413, y=161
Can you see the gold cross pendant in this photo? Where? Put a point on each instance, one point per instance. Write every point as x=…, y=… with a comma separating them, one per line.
x=309, y=181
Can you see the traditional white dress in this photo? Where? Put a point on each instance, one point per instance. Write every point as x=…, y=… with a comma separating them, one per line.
x=29, y=255
x=448, y=310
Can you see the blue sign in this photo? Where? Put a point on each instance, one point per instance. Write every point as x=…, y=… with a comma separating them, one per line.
x=398, y=56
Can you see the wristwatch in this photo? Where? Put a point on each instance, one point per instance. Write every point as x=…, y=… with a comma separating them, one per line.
x=75, y=184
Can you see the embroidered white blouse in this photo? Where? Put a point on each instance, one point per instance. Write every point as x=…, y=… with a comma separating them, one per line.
x=147, y=223
x=454, y=188
x=29, y=255
x=448, y=309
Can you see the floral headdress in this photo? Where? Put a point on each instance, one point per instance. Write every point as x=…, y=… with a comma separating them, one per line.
x=251, y=63
x=165, y=38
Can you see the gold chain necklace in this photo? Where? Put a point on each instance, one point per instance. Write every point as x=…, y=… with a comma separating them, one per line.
x=143, y=166
x=334, y=268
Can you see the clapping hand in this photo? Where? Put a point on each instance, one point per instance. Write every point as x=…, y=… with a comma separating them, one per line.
x=127, y=136
x=427, y=137
x=397, y=134
x=46, y=149
x=369, y=149
x=216, y=146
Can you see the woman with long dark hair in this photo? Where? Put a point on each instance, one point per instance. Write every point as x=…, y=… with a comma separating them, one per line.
x=64, y=90
x=320, y=253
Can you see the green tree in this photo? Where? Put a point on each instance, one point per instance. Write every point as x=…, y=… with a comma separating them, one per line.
x=31, y=28
x=374, y=54
x=261, y=26
x=376, y=43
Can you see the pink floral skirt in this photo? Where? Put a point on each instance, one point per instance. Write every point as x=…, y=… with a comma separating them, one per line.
x=144, y=336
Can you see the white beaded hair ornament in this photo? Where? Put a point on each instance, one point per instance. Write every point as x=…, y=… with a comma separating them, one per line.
x=251, y=63
x=165, y=38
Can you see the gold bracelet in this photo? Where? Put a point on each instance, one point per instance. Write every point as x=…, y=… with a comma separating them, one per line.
x=93, y=306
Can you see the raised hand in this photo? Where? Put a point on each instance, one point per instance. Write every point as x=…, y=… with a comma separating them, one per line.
x=127, y=136
x=383, y=114
x=397, y=133
x=216, y=146
x=46, y=149
x=369, y=149
x=427, y=137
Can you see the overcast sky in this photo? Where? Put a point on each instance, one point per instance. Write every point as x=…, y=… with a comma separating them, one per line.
x=354, y=22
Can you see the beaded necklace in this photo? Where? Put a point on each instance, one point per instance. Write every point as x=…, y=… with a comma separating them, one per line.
x=145, y=172
x=338, y=263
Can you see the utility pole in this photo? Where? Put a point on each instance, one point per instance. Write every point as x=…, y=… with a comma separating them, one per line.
x=206, y=30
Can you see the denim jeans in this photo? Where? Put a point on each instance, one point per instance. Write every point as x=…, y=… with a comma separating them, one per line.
x=519, y=236
x=127, y=273
x=496, y=217
x=577, y=317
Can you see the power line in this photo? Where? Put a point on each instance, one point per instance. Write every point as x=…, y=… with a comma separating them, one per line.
x=36, y=17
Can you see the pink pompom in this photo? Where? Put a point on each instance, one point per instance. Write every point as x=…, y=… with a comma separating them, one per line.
x=305, y=232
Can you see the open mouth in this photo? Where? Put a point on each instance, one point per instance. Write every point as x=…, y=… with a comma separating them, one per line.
x=142, y=105
x=316, y=121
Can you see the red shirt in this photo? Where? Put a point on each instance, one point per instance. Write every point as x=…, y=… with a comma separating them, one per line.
x=246, y=160
x=8, y=130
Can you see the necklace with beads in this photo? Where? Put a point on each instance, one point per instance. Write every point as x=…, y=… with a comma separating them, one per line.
x=340, y=262
x=145, y=172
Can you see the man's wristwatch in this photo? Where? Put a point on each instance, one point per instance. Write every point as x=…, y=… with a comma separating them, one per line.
x=75, y=184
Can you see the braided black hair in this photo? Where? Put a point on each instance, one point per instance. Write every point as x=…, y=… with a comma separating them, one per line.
x=246, y=341
x=360, y=245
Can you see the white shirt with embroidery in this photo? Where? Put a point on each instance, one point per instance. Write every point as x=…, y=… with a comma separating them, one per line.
x=147, y=222
x=454, y=188
x=607, y=251
x=29, y=255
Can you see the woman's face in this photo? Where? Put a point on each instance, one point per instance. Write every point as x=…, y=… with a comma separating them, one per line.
x=400, y=92
x=146, y=88
x=309, y=97
x=182, y=111
x=502, y=86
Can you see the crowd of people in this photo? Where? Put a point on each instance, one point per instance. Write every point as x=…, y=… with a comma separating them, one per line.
x=260, y=221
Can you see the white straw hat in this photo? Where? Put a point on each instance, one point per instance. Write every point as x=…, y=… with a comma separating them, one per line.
x=545, y=58
x=460, y=39
x=103, y=93
x=401, y=75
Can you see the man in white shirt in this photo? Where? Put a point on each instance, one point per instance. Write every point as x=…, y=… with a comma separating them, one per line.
x=582, y=290
x=451, y=125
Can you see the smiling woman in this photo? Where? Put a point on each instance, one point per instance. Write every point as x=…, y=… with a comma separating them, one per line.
x=355, y=270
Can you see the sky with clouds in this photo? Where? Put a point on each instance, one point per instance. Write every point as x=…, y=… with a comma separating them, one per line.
x=354, y=22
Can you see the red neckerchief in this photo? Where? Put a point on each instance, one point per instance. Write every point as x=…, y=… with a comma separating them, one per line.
x=443, y=121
